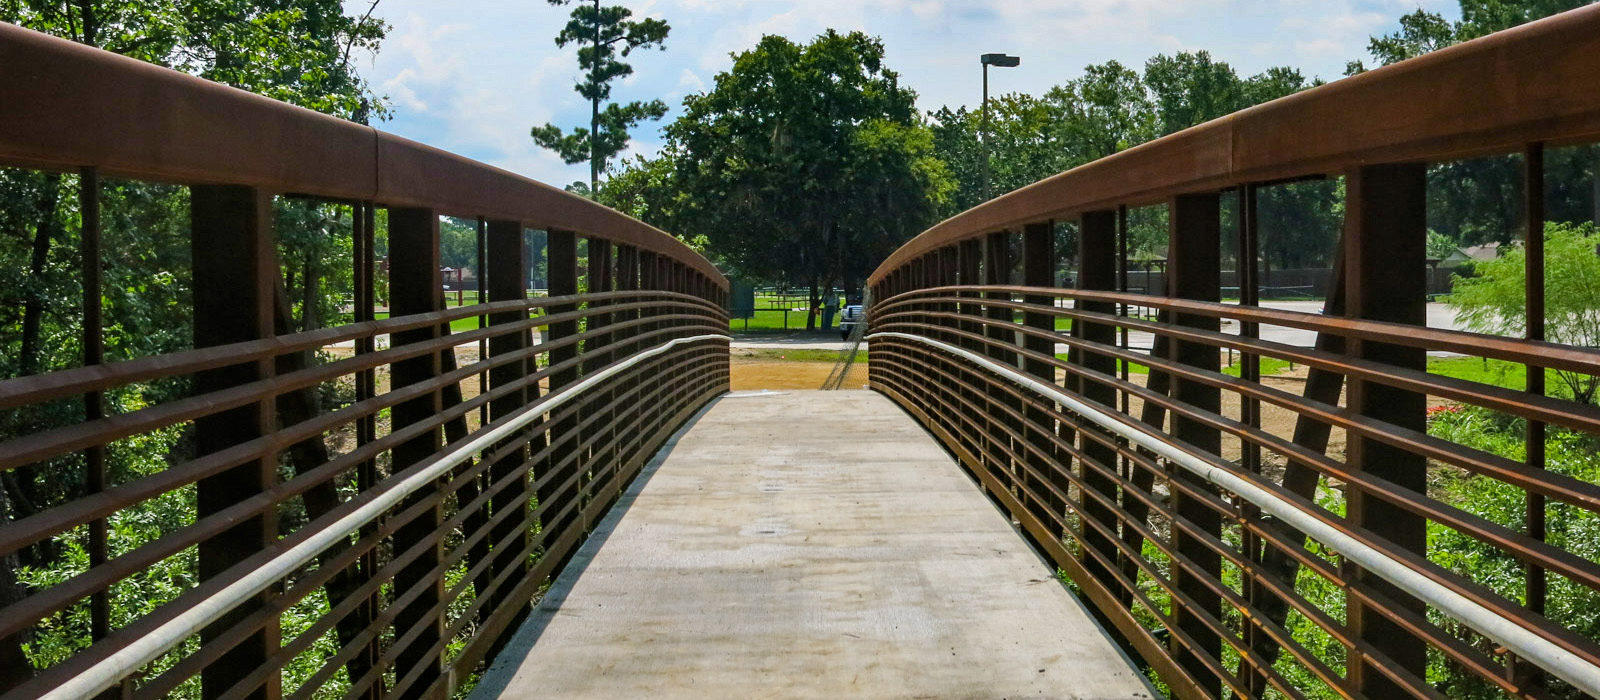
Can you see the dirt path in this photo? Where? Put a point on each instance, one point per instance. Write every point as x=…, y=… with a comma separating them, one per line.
x=749, y=375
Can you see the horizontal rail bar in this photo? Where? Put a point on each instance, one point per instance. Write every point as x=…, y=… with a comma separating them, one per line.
x=21, y=391
x=1539, y=353
x=135, y=119
x=1525, y=643
x=138, y=652
x=1489, y=95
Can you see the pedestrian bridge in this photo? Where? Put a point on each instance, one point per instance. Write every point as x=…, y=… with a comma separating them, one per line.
x=556, y=495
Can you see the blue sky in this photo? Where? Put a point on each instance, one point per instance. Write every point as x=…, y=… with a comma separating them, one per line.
x=471, y=76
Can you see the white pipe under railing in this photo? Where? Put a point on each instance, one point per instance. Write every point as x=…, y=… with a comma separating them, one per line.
x=1527, y=644
x=120, y=664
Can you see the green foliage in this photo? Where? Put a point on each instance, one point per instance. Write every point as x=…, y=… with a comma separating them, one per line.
x=1299, y=224
x=1574, y=530
x=1420, y=32
x=296, y=51
x=605, y=33
x=458, y=243
x=1423, y=32
x=1494, y=300
x=1190, y=89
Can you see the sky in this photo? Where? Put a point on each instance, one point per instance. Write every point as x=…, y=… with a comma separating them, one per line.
x=472, y=76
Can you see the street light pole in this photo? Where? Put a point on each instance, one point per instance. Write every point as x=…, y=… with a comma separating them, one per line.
x=999, y=60
x=983, y=134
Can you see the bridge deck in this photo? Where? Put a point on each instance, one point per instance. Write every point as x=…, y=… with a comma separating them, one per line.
x=808, y=544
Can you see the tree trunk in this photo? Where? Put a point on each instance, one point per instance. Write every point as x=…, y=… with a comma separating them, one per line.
x=33, y=299
x=811, y=308
x=1597, y=186
x=308, y=299
x=594, y=112
x=14, y=666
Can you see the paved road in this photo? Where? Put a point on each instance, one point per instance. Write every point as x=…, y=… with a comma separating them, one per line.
x=791, y=341
x=848, y=559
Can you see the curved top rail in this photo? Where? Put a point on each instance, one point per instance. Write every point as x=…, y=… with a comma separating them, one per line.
x=69, y=106
x=1489, y=95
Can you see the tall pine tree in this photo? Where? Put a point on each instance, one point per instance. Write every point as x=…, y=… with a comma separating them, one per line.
x=604, y=34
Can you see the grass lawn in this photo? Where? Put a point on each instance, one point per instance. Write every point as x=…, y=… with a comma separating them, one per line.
x=766, y=321
x=795, y=355
x=460, y=325
x=1497, y=372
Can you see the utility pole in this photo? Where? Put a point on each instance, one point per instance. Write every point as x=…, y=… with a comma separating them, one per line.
x=998, y=60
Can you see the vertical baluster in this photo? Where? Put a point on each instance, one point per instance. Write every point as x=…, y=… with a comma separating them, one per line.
x=505, y=265
x=997, y=271
x=1246, y=262
x=557, y=496
x=1194, y=272
x=1385, y=261
x=1533, y=192
x=414, y=288
x=1097, y=269
x=1039, y=270
x=235, y=272
x=600, y=462
x=480, y=270
x=363, y=224
x=94, y=457
x=628, y=281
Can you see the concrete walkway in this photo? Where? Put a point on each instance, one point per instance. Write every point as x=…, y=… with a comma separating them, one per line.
x=808, y=545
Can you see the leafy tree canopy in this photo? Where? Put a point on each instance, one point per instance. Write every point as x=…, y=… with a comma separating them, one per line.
x=1494, y=300
x=805, y=162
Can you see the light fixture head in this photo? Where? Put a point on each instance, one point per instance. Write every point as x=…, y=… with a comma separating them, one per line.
x=1000, y=60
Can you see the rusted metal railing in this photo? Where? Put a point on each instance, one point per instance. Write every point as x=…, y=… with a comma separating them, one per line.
x=1236, y=558
x=418, y=519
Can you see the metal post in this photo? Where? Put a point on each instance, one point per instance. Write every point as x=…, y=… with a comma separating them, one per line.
x=1122, y=286
x=1245, y=265
x=971, y=271
x=1194, y=272
x=1385, y=261
x=414, y=284
x=1533, y=192
x=627, y=281
x=997, y=264
x=555, y=497
x=505, y=269
x=1039, y=270
x=598, y=466
x=94, y=457
x=235, y=272
x=364, y=221
x=1097, y=270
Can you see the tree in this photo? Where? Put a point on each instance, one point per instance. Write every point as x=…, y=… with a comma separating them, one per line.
x=1104, y=111
x=1191, y=88
x=606, y=33
x=1024, y=147
x=1485, y=17
x=1420, y=32
x=806, y=163
x=1494, y=299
